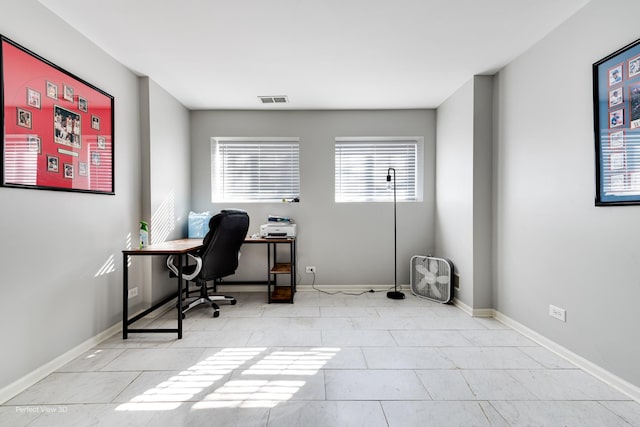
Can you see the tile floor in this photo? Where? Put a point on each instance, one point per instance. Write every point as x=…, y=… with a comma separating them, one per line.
x=327, y=360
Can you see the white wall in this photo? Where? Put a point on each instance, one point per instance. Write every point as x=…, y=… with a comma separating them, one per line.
x=53, y=244
x=553, y=245
x=349, y=243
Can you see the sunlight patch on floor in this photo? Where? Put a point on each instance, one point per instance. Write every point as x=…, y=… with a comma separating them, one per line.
x=247, y=392
x=267, y=393
x=187, y=384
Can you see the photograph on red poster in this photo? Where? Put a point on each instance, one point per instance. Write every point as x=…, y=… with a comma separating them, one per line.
x=58, y=129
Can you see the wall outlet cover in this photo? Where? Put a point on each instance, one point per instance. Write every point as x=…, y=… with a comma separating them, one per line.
x=558, y=313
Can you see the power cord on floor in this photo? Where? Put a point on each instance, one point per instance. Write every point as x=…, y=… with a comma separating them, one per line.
x=370, y=291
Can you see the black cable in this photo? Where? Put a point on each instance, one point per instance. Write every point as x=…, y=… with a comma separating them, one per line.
x=313, y=285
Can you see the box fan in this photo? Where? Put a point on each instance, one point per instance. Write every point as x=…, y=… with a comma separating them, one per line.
x=432, y=278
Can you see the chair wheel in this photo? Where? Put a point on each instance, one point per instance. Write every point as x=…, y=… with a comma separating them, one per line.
x=183, y=316
x=216, y=314
x=233, y=302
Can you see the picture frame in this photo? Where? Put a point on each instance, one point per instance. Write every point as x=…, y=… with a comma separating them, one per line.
x=616, y=97
x=51, y=120
x=633, y=67
x=53, y=163
x=67, y=92
x=67, y=127
x=616, y=140
x=634, y=105
x=82, y=104
x=34, y=144
x=33, y=98
x=52, y=90
x=68, y=171
x=23, y=118
x=616, y=118
x=616, y=113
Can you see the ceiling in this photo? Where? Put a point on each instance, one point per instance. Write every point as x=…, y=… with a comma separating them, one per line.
x=322, y=54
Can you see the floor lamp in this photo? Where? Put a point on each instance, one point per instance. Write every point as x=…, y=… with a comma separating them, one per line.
x=394, y=294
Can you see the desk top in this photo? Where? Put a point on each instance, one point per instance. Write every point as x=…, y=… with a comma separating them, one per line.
x=182, y=246
x=269, y=240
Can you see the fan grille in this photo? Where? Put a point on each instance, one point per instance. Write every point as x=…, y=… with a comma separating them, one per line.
x=431, y=278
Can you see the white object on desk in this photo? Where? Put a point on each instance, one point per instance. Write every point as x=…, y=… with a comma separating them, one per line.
x=276, y=229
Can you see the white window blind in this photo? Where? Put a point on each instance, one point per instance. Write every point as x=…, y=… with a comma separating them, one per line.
x=362, y=165
x=255, y=169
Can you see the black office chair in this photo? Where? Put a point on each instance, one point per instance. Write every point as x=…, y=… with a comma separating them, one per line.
x=217, y=258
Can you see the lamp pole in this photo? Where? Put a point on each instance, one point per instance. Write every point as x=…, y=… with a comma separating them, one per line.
x=394, y=294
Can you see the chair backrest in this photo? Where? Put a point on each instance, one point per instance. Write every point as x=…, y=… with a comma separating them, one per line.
x=227, y=231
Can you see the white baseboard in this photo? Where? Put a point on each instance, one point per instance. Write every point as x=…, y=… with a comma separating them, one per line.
x=475, y=312
x=33, y=377
x=613, y=380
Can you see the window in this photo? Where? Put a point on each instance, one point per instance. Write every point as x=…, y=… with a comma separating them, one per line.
x=362, y=165
x=255, y=169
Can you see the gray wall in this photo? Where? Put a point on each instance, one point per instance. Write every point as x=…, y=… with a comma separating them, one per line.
x=349, y=243
x=454, y=186
x=482, y=189
x=166, y=194
x=553, y=245
x=54, y=244
x=463, y=188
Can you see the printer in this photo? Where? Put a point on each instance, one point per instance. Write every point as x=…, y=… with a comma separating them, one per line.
x=278, y=230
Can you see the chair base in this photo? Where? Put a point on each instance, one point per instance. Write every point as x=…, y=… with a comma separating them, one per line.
x=205, y=298
x=210, y=300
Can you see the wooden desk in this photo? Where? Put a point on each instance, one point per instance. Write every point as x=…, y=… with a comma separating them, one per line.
x=275, y=268
x=174, y=247
x=180, y=248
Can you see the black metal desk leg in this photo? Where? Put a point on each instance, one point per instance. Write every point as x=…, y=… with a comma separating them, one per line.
x=125, y=296
x=293, y=269
x=295, y=265
x=180, y=296
x=269, y=273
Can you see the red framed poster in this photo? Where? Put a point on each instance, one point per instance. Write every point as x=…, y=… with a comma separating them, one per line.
x=58, y=129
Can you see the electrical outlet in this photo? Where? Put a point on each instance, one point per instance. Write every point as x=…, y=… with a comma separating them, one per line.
x=133, y=292
x=558, y=313
x=310, y=269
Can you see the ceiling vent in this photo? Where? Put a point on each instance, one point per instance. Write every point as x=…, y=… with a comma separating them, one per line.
x=279, y=99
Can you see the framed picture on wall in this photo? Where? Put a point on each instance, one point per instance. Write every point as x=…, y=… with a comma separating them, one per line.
x=52, y=90
x=616, y=109
x=51, y=120
x=33, y=98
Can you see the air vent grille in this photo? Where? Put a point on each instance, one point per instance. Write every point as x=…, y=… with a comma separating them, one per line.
x=278, y=99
